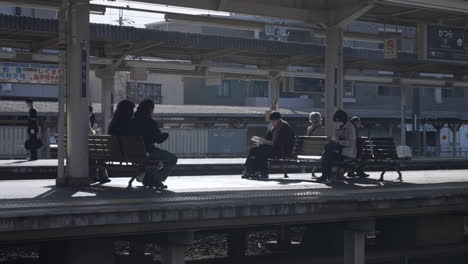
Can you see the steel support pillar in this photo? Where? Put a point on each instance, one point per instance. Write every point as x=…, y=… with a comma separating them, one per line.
x=274, y=93
x=77, y=93
x=108, y=82
x=403, y=92
x=354, y=240
x=333, y=76
x=45, y=137
x=354, y=247
x=173, y=252
x=237, y=244
x=62, y=92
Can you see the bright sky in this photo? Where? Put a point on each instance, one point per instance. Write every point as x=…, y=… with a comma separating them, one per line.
x=139, y=19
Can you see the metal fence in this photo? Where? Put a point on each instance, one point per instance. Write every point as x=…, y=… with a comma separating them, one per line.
x=12, y=140
x=192, y=142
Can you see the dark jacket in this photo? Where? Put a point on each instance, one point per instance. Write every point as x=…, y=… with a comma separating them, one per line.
x=283, y=139
x=119, y=127
x=33, y=127
x=149, y=129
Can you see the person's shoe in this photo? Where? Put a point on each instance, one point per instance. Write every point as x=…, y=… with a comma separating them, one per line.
x=103, y=177
x=322, y=179
x=351, y=175
x=140, y=177
x=146, y=181
x=159, y=185
x=363, y=175
x=245, y=174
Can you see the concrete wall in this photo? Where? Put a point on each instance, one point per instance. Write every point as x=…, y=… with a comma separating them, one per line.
x=172, y=87
x=196, y=92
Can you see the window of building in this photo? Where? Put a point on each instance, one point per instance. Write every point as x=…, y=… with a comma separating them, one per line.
x=349, y=89
x=224, y=90
x=137, y=92
x=18, y=11
x=389, y=91
x=453, y=93
x=258, y=89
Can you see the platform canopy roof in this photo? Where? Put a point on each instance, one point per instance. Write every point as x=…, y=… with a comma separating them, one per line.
x=448, y=12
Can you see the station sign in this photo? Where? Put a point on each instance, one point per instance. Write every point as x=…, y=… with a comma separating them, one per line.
x=447, y=43
x=390, y=49
x=15, y=72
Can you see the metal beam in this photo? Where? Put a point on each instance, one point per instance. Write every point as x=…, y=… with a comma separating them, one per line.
x=343, y=16
x=36, y=46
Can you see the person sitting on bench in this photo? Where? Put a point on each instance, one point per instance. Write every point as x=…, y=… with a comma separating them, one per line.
x=144, y=125
x=279, y=142
x=342, y=145
x=316, y=127
x=119, y=126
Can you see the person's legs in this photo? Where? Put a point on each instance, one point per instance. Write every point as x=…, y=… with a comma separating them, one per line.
x=170, y=162
x=328, y=160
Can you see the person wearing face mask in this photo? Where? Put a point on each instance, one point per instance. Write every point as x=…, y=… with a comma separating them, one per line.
x=279, y=142
x=342, y=145
x=316, y=128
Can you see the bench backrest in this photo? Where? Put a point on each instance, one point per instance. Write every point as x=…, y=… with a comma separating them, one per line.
x=379, y=148
x=384, y=148
x=104, y=148
x=101, y=147
x=110, y=148
x=310, y=145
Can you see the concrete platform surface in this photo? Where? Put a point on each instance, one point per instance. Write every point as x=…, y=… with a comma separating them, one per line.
x=37, y=209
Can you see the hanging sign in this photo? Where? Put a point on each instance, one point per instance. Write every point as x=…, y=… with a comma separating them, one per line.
x=390, y=49
x=14, y=72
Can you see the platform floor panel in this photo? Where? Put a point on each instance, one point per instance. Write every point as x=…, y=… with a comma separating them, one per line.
x=37, y=209
x=30, y=193
x=182, y=161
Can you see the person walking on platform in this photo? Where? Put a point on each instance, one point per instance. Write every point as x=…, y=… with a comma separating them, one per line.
x=316, y=127
x=359, y=170
x=144, y=125
x=33, y=143
x=342, y=145
x=279, y=142
x=92, y=116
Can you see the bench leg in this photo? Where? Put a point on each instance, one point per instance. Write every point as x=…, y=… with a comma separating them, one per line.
x=400, y=176
x=285, y=171
x=131, y=181
x=382, y=175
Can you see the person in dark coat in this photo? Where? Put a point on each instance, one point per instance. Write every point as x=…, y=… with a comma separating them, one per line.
x=144, y=125
x=120, y=123
x=92, y=116
x=33, y=143
x=279, y=142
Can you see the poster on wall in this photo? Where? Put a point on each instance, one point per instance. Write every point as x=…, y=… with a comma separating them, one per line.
x=14, y=72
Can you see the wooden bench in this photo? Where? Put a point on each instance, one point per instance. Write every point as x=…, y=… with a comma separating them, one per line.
x=373, y=152
x=307, y=152
x=381, y=152
x=105, y=152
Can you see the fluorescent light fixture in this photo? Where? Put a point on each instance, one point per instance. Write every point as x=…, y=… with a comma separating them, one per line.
x=235, y=70
x=161, y=65
x=315, y=75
